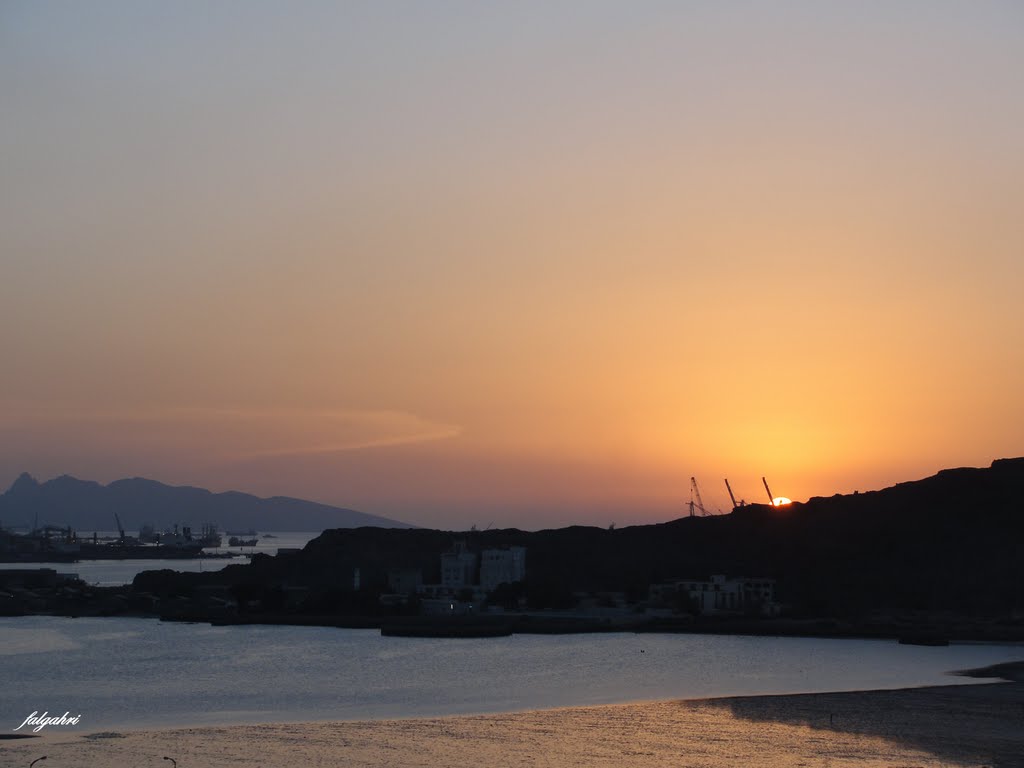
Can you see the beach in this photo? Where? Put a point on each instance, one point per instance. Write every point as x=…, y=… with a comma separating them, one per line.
x=957, y=725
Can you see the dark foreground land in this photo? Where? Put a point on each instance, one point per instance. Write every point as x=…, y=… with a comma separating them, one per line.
x=956, y=725
x=934, y=559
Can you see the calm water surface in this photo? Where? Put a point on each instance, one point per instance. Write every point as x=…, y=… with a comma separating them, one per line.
x=137, y=672
x=113, y=573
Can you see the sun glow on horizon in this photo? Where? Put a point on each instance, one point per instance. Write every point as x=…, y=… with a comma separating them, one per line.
x=441, y=266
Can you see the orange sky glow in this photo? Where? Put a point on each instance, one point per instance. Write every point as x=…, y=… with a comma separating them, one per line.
x=519, y=265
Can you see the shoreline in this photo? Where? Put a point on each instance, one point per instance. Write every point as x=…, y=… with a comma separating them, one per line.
x=974, y=724
x=914, y=631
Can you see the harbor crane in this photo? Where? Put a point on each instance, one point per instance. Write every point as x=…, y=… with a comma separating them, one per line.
x=771, y=499
x=733, y=497
x=699, y=504
x=120, y=528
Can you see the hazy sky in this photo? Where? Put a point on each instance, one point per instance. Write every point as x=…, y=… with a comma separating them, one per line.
x=520, y=263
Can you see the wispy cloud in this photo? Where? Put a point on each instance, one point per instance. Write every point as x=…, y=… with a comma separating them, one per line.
x=365, y=430
x=227, y=434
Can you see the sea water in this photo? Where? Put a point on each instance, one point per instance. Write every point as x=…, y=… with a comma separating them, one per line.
x=130, y=672
x=115, y=573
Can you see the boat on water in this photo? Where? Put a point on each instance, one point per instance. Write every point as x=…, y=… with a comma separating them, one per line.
x=207, y=538
x=236, y=541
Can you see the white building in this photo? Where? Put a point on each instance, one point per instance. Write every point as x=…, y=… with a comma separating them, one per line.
x=458, y=567
x=502, y=566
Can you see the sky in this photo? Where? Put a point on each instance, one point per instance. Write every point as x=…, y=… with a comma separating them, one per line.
x=514, y=264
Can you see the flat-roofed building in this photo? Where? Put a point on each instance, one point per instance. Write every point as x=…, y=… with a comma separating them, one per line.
x=502, y=566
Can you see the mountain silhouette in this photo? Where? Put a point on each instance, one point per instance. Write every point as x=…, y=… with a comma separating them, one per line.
x=89, y=506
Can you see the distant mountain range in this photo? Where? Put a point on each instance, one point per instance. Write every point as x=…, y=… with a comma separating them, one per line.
x=90, y=506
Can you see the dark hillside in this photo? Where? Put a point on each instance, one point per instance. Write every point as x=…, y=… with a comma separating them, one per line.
x=953, y=542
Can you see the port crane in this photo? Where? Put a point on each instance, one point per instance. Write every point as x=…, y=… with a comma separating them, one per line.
x=120, y=528
x=699, y=503
x=741, y=502
x=732, y=496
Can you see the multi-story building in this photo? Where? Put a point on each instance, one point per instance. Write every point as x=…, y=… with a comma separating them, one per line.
x=502, y=566
x=458, y=567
